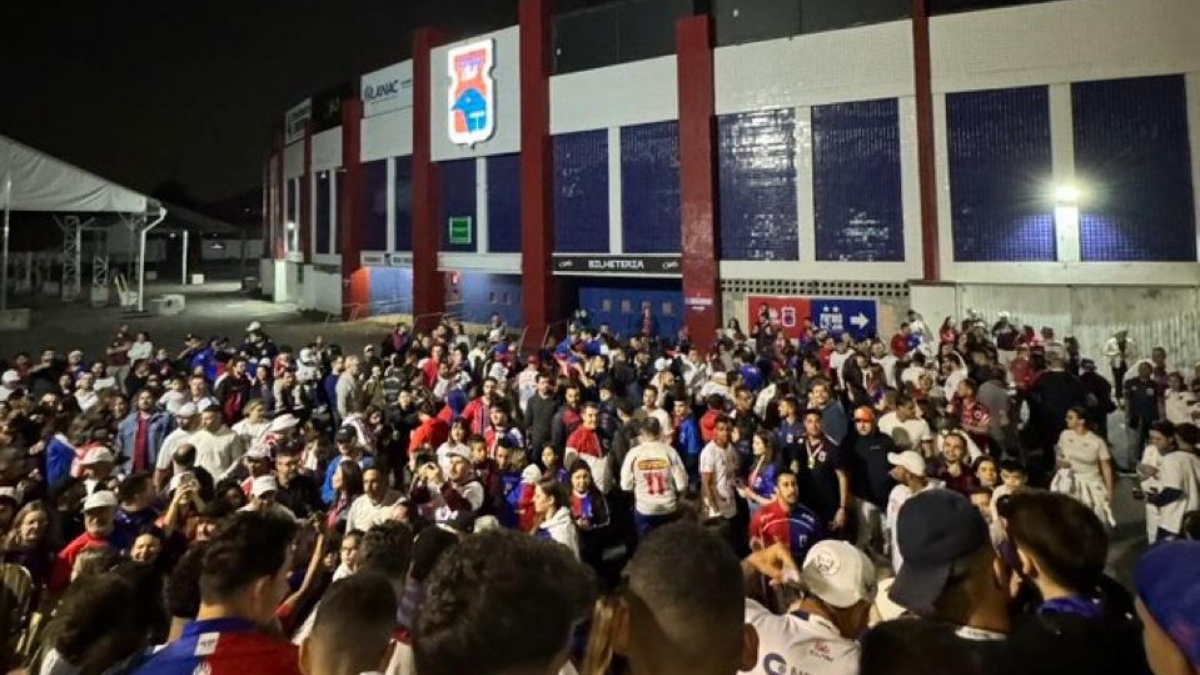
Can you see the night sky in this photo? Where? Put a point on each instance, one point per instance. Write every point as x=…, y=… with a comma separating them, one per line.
x=147, y=93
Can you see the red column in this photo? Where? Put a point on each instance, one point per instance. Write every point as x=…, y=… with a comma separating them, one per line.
x=926, y=166
x=697, y=184
x=541, y=297
x=429, y=290
x=356, y=289
x=306, y=198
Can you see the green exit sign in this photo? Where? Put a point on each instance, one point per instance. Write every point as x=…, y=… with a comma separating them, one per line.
x=460, y=229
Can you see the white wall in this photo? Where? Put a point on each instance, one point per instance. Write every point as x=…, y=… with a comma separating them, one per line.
x=321, y=291
x=387, y=135
x=623, y=95
x=266, y=276
x=857, y=64
x=1154, y=316
x=293, y=160
x=1065, y=41
x=1055, y=44
x=327, y=149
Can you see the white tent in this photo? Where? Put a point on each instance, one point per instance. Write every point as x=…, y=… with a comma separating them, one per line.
x=35, y=181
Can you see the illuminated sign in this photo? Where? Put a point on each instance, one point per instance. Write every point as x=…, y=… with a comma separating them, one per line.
x=471, y=99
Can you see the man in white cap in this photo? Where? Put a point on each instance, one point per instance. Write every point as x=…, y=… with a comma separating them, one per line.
x=262, y=499
x=908, y=469
x=445, y=499
x=818, y=634
x=98, y=464
x=10, y=381
x=99, y=518
x=187, y=420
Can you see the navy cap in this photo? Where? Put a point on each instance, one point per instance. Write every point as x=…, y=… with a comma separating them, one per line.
x=933, y=529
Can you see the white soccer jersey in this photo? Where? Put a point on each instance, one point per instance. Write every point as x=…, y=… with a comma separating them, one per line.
x=799, y=643
x=656, y=475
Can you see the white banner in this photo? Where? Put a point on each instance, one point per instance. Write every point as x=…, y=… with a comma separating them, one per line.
x=388, y=89
x=296, y=120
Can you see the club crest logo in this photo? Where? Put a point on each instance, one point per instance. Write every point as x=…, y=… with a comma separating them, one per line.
x=472, y=95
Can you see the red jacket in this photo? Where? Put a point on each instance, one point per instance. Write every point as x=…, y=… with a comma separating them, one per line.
x=65, y=562
x=432, y=432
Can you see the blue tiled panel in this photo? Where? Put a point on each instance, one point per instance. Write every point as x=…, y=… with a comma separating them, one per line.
x=650, y=188
x=621, y=308
x=758, y=186
x=375, y=193
x=581, y=192
x=1000, y=175
x=857, y=145
x=391, y=290
x=340, y=194
x=321, y=213
x=1133, y=163
x=484, y=293
x=403, y=206
x=504, y=203
x=458, y=199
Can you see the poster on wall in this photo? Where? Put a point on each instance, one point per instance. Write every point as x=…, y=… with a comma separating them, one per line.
x=296, y=121
x=857, y=316
x=387, y=89
x=471, y=100
x=327, y=106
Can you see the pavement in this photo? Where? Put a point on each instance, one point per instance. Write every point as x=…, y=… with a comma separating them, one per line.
x=213, y=308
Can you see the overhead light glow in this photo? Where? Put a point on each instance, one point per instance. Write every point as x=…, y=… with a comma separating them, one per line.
x=1067, y=194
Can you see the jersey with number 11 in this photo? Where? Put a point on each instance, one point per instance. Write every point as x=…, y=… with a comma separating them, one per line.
x=656, y=475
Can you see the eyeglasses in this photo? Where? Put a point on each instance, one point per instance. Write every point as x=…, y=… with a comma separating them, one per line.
x=862, y=420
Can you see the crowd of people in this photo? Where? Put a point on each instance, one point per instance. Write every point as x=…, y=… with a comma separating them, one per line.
x=447, y=502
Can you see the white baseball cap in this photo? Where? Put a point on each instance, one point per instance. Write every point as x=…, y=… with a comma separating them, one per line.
x=10, y=377
x=254, y=326
x=259, y=451
x=262, y=485
x=839, y=574
x=910, y=460
x=101, y=499
x=187, y=410
x=284, y=421
x=98, y=455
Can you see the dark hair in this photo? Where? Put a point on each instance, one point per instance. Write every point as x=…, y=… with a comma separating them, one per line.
x=101, y=621
x=248, y=547
x=387, y=549
x=1065, y=536
x=352, y=477
x=1187, y=432
x=1164, y=427
x=690, y=579
x=557, y=492
x=132, y=486
x=538, y=586
x=904, y=646
x=356, y=617
x=652, y=427
x=183, y=588
x=625, y=406
x=1012, y=466
x=428, y=548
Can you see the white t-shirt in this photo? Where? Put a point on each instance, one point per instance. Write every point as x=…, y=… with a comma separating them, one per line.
x=897, y=497
x=139, y=351
x=1084, y=452
x=1179, y=470
x=915, y=429
x=722, y=464
x=799, y=643
x=166, y=452
x=215, y=453
x=656, y=475
x=365, y=514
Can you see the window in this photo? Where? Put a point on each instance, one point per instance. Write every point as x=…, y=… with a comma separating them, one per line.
x=626, y=307
x=668, y=309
